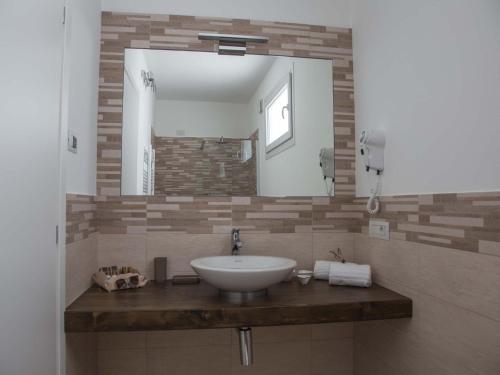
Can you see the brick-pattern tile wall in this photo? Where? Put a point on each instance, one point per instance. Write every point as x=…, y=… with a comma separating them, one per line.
x=462, y=221
x=120, y=31
x=80, y=217
x=209, y=215
x=190, y=166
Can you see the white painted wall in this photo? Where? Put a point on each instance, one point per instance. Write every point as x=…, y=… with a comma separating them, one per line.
x=82, y=61
x=201, y=119
x=296, y=171
x=31, y=35
x=316, y=12
x=138, y=117
x=429, y=73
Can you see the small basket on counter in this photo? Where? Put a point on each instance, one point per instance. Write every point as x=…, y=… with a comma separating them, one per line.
x=119, y=278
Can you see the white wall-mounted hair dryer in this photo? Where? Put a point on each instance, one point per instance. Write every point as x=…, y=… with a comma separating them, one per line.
x=372, y=144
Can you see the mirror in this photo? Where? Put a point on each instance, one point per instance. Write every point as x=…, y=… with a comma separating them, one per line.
x=203, y=124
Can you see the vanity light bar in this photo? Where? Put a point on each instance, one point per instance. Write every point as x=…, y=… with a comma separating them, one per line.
x=231, y=50
x=233, y=38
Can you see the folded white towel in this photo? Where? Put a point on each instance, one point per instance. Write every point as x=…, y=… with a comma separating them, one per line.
x=350, y=274
x=322, y=269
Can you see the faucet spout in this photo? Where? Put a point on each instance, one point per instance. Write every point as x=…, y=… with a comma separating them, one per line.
x=236, y=243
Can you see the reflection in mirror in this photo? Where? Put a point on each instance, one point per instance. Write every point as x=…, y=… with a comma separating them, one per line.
x=202, y=124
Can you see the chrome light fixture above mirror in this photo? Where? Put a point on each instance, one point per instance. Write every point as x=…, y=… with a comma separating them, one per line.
x=232, y=44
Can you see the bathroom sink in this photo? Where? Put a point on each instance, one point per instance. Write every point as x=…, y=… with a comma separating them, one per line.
x=243, y=273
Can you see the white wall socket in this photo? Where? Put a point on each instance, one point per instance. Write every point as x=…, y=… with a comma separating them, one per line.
x=378, y=229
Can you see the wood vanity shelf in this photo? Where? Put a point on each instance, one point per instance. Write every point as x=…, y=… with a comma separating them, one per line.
x=168, y=307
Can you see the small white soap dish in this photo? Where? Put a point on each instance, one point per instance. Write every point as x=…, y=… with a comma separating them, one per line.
x=304, y=276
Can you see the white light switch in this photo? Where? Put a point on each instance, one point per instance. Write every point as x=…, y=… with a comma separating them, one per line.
x=379, y=229
x=72, y=141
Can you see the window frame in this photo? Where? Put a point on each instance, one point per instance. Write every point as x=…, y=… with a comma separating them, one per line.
x=286, y=140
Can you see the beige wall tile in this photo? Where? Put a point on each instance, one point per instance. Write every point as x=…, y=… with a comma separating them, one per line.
x=81, y=263
x=81, y=354
x=465, y=279
x=464, y=340
x=197, y=337
x=366, y=253
x=207, y=360
x=489, y=247
x=457, y=220
x=445, y=335
x=119, y=362
x=331, y=331
x=297, y=246
x=121, y=340
x=324, y=242
x=368, y=362
x=332, y=357
x=283, y=358
x=392, y=261
x=122, y=250
x=182, y=248
x=440, y=231
x=378, y=345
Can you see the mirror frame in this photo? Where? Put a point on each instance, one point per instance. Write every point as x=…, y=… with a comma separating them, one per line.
x=167, y=32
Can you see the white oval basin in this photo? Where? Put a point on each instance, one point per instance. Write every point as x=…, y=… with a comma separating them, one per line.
x=243, y=273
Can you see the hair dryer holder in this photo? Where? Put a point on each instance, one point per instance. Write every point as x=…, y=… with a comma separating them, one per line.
x=372, y=145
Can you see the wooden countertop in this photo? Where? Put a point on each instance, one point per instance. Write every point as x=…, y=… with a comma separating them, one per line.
x=160, y=307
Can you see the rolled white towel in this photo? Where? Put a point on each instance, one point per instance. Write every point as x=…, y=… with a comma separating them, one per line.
x=322, y=269
x=350, y=274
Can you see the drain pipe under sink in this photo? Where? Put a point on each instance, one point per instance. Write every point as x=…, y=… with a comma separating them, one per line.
x=246, y=350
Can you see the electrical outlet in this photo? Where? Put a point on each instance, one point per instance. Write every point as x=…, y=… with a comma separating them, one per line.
x=379, y=229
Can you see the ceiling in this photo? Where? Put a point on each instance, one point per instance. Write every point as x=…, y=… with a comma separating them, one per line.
x=206, y=76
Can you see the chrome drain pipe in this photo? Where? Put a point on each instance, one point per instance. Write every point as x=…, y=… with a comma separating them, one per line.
x=246, y=350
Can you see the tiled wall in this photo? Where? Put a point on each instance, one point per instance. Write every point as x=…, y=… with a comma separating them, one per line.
x=132, y=215
x=182, y=228
x=81, y=244
x=456, y=323
x=455, y=328
x=81, y=354
x=462, y=221
x=444, y=253
x=134, y=230
x=324, y=349
x=120, y=31
x=190, y=166
x=80, y=217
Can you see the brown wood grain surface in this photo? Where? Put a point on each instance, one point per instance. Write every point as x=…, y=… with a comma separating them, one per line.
x=160, y=307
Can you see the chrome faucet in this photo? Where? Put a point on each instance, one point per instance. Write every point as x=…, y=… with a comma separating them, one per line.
x=236, y=243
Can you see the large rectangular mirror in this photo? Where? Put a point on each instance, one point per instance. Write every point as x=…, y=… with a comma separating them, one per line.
x=203, y=124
